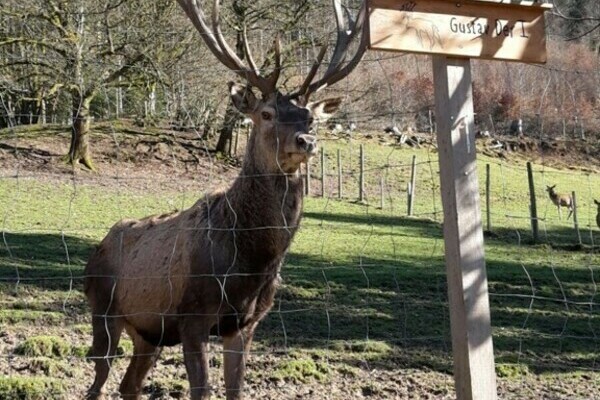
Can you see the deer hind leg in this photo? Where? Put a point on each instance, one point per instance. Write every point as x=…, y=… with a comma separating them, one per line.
x=570, y=212
x=143, y=359
x=194, y=338
x=107, y=333
x=236, y=349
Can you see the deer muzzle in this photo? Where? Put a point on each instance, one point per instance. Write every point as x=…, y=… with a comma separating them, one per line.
x=307, y=143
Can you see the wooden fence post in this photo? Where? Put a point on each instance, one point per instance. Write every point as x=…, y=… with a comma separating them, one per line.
x=488, y=184
x=493, y=126
x=237, y=138
x=532, y=205
x=248, y=130
x=381, y=189
x=361, y=178
x=470, y=322
x=307, y=179
x=575, y=220
x=411, y=185
x=322, y=172
x=339, y=168
x=431, y=129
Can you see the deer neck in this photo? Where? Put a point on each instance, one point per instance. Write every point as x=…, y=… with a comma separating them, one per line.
x=263, y=196
x=265, y=207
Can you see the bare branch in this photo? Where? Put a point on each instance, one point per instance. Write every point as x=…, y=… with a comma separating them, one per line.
x=592, y=29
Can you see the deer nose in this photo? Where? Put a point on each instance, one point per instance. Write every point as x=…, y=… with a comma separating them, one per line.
x=307, y=142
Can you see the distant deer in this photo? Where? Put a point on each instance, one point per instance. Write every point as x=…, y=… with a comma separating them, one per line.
x=213, y=269
x=597, y=213
x=560, y=200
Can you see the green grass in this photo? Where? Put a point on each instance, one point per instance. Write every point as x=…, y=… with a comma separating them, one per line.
x=44, y=346
x=13, y=316
x=301, y=370
x=34, y=388
x=360, y=282
x=167, y=388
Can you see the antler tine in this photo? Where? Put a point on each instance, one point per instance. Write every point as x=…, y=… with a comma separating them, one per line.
x=218, y=46
x=274, y=75
x=249, y=56
x=250, y=75
x=313, y=70
x=335, y=71
x=196, y=15
x=342, y=41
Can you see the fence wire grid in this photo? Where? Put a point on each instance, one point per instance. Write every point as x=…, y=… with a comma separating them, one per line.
x=361, y=310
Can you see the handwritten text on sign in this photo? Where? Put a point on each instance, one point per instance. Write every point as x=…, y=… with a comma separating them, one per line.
x=470, y=28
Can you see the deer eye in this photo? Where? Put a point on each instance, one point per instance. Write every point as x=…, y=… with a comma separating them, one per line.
x=266, y=116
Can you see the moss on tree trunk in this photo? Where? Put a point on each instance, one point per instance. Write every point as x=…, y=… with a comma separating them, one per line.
x=226, y=131
x=79, y=151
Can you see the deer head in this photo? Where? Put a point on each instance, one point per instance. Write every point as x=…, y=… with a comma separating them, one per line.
x=550, y=189
x=280, y=141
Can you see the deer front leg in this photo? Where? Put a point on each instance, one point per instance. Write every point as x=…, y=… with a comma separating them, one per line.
x=236, y=349
x=559, y=213
x=194, y=338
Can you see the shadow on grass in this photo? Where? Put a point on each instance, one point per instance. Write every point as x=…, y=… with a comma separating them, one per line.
x=405, y=306
x=563, y=238
x=44, y=260
x=401, y=303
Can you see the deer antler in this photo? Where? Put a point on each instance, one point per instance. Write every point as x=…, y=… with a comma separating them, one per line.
x=347, y=30
x=218, y=46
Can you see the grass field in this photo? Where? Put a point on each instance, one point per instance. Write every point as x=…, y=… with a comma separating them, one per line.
x=362, y=312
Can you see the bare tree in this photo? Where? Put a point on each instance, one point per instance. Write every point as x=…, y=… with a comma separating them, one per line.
x=82, y=48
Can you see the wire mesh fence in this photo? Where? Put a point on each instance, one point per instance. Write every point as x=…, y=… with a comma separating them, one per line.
x=363, y=292
x=361, y=308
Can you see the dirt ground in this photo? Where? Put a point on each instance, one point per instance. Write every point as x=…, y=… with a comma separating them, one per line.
x=182, y=162
x=130, y=153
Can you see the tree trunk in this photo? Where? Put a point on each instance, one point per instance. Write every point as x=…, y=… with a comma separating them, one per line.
x=231, y=114
x=152, y=100
x=226, y=131
x=79, y=152
x=42, y=117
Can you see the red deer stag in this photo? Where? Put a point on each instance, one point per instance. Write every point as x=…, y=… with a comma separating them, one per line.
x=213, y=268
x=560, y=200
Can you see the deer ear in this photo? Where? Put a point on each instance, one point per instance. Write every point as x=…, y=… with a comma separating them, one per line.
x=323, y=110
x=243, y=98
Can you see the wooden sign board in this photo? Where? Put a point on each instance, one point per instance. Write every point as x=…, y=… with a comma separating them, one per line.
x=498, y=30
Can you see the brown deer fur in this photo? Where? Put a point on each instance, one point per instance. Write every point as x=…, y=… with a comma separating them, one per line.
x=210, y=269
x=560, y=200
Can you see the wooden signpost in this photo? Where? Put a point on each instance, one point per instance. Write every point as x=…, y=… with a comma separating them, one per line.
x=454, y=32
x=499, y=30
